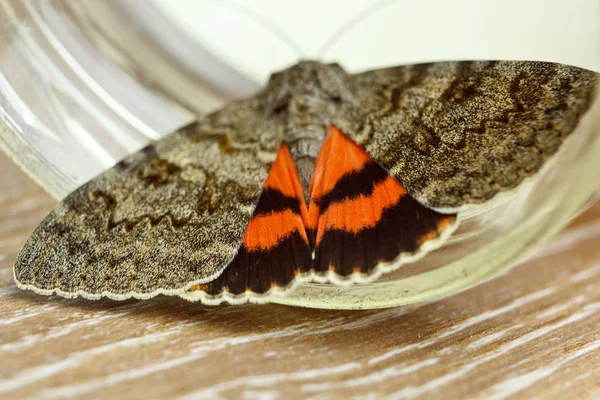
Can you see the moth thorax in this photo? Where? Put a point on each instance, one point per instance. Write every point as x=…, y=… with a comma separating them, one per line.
x=311, y=94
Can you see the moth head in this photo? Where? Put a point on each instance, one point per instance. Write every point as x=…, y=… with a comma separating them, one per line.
x=310, y=79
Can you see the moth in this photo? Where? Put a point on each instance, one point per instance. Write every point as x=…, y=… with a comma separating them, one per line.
x=322, y=176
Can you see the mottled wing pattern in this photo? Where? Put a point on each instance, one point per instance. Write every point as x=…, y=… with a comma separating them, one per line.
x=457, y=133
x=275, y=251
x=361, y=222
x=364, y=221
x=408, y=147
x=169, y=216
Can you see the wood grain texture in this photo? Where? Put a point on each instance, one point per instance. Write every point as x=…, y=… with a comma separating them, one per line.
x=533, y=331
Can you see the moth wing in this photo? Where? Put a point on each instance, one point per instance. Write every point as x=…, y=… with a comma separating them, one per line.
x=364, y=222
x=275, y=254
x=167, y=217
x=457, y=133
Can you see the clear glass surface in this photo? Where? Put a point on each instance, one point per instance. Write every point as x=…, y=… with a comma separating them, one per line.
x=85, y=83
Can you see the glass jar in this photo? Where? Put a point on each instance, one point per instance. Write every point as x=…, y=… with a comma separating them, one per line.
x=83, y=84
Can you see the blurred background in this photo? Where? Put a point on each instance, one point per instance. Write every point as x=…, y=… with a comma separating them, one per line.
x=257, y=37
x=85, y=83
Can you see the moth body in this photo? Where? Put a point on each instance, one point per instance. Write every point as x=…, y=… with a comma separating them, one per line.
x=307, y=96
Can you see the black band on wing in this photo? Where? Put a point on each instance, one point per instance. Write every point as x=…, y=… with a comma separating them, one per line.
x=400, y=230
x=258, y=270
x=272, y=200
x=354, y=184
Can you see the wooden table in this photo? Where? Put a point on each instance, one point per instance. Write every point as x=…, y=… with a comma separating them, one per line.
x=533, y=331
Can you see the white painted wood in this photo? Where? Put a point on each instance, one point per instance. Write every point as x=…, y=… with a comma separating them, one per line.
x=531, y=332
